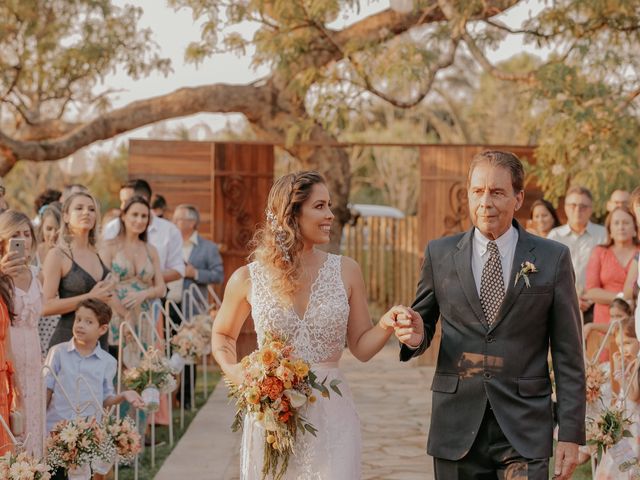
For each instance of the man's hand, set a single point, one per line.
(189, 271)
(566, 460)
(410, 328)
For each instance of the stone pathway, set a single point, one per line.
(394, 404)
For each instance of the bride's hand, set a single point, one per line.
(235, 373)
(409, 328)
(388, 320)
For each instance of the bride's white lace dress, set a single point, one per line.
(334, 453)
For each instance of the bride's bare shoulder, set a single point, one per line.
(350, 268)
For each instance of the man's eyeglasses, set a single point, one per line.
(579, 206)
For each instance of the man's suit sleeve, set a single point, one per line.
(213, 272)
(426, 305)
(565, 331)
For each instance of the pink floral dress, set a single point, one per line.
(25, 344)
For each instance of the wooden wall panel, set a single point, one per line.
(229, 184)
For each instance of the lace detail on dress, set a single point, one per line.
(321, 333)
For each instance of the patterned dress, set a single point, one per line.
(317, 337)
(131, 281)
(25, 344)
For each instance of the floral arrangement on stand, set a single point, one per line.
(596, 377)
(125, 437)
(188, 343)
(75, 444)
(23, 466)
(606, 430)
(275, 388)
(154, 375)
(203, 323)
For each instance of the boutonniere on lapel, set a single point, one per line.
(525, 269)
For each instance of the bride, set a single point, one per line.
(318, 302)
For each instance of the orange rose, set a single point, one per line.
(267, 357)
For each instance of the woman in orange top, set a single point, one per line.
(8, 395)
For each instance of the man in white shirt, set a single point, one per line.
(581, 236)
(161, 233)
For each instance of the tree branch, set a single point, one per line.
(223, 98)
(484, 62)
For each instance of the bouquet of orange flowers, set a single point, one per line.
(275, 388)
(595, 379)
(76, 443)
(125, 437)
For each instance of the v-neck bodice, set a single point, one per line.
(320, 334)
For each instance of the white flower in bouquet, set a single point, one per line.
(296, 398)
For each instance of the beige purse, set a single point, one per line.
(16, 423)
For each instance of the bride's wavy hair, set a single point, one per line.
(277, 245)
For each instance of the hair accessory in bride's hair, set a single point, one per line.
(279, 234)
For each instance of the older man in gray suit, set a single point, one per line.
(203, 266)
(504, 298)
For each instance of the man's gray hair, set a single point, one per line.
(194, 214)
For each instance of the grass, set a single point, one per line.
(145, 471)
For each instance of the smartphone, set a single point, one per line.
(17, 245)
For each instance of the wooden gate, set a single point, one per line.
(228, 182)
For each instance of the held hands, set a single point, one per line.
(407, 325)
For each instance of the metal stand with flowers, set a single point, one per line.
(150, 378)
(607, 425)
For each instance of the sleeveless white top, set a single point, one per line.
(321, 332)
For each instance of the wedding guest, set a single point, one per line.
(25, 343)
(161, 233)
(83, 357)
(543, 217)
(632, 284)
(72, 188)
(203, 266)
(136, 270)
(581, 236)
(619, 198)
(610, 263)
(47, 232)
(608, 468)
(45, 198)
(9, 395)
(73, 271)
(159, 205)
(3, 201)
(47, 238)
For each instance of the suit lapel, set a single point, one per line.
(523, 253)
(463, 262)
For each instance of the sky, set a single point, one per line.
(174, 30)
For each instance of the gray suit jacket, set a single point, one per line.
(505, 364)
(205, 257)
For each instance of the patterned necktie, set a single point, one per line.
(492, 284)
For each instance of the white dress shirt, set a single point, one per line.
(176, 287)
(163, 235)
(479, 254)
(580, 247)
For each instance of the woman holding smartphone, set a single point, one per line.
(17, 246)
